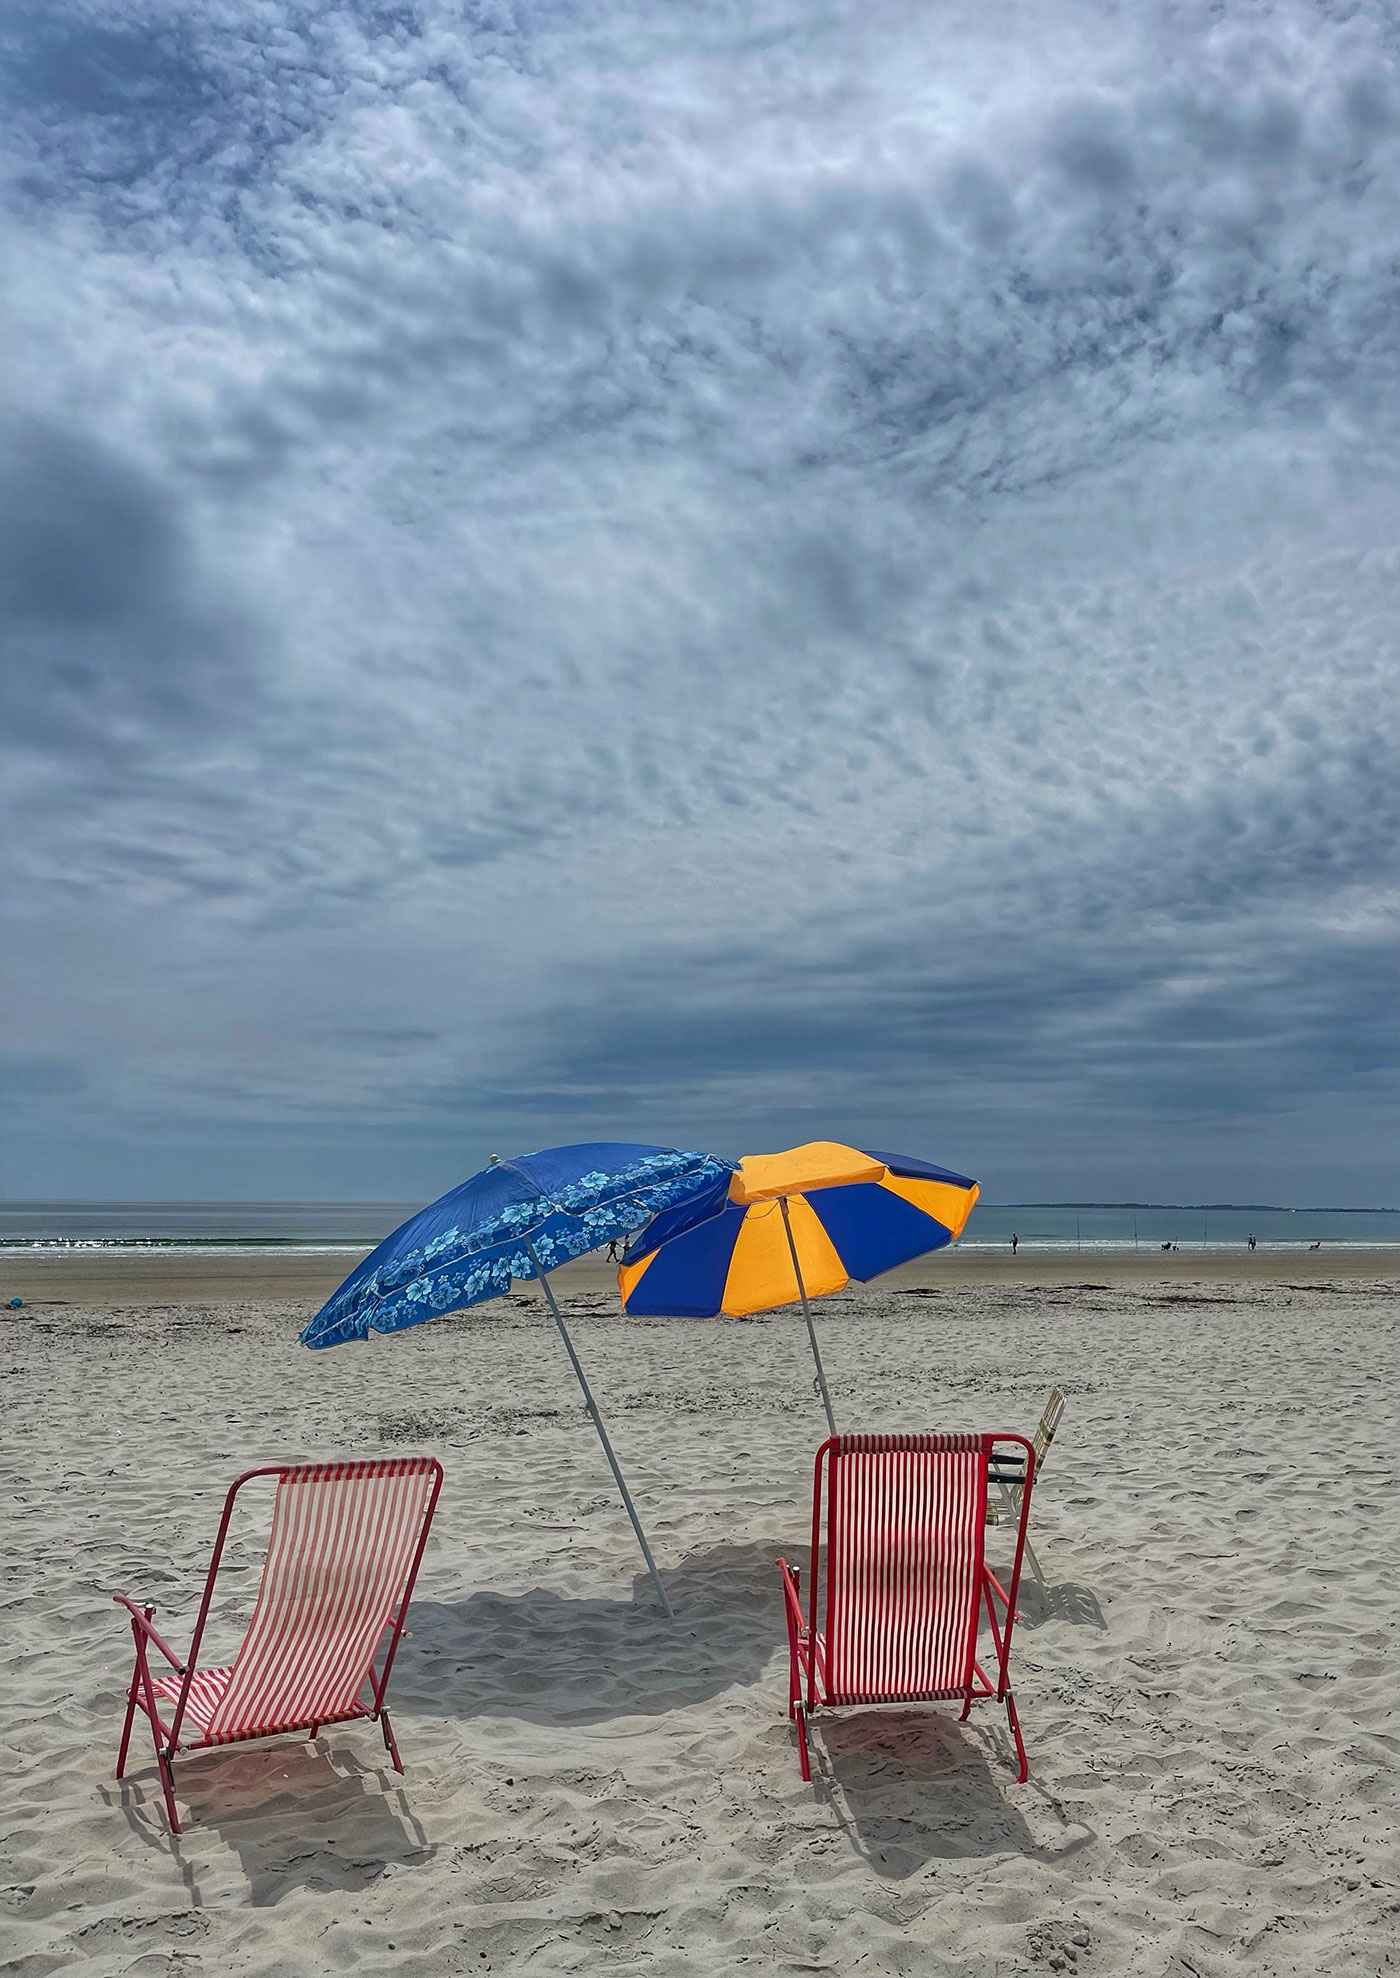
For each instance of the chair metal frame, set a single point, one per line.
(142, 1692)
(809, 1684)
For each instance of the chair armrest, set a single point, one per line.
(999, 1590)
(143, 1621)
(797, 1627)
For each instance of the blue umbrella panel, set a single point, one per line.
(517, 1219)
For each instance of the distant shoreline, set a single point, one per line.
(81, 1204)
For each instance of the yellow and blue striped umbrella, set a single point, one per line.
(796, 1225)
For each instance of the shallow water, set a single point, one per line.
(350, 1228)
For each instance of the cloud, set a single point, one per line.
(679, 563)
(105, 642)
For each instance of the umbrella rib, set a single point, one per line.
(558, 1209)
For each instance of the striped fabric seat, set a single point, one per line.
(905, 1532)
(343, 1536)
(206, 1687)
(872, 1696)
(899, 1577)
(343, 1554)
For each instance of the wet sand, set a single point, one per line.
(147, 1277)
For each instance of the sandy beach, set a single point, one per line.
(1206, 1682)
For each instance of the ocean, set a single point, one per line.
(351, 1228)
(1117, 1227)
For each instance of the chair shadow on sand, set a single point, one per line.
(909, 1787)
(1073, 1606)
(914, 1786)
(323, 1817)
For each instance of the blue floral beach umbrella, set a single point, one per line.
(522, 1218)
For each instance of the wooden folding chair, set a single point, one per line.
(900, 1579)
(343, 1554)
(1009, 1482)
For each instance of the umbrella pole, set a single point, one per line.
(592, 1405)
(807, 1315)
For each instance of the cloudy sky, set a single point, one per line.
(717, 573)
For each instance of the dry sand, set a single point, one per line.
(1207, 1684)
(125, 1278)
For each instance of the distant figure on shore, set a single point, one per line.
(1166, 1246)
(1015, 1239)
(1317, 1245)
(612, 1251)
(1252, 1243)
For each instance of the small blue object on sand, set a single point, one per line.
(17, 1304)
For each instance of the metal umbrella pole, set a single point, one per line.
(592, 1406)
(807, 1315)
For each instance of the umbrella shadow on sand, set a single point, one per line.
(553, 1659)
(908, 1787)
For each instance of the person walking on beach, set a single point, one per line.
(612, 1251)
(1251, 1240)
(1014, 1241)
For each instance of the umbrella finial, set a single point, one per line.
(494, 1162)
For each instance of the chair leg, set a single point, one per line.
(126, 1727)
(139, 1672)
(389, 1744)
(167, 1770)
(1015, 1724)
(792, 1605)
(167, 1780)
(801, 1715)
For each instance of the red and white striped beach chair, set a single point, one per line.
(346, 1542)
(902, 1580)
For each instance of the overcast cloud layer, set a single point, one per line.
(724, 574)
